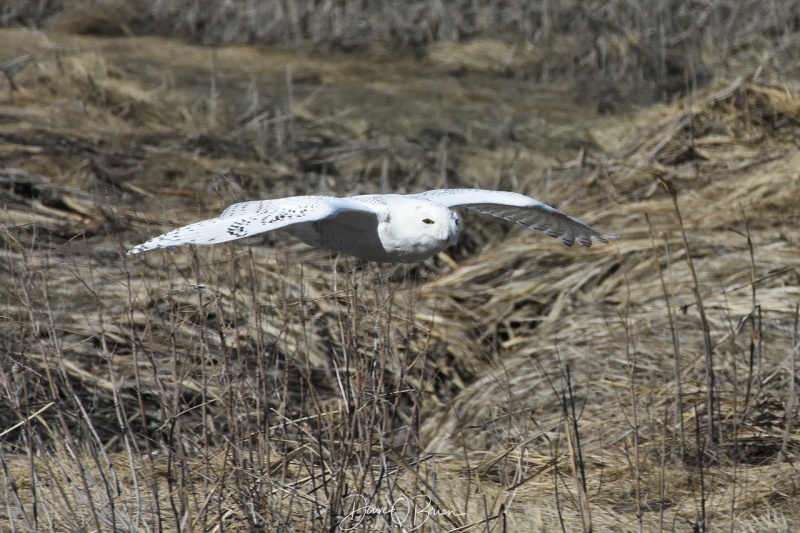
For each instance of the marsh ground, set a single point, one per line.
(510, 383)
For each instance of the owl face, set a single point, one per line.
(419, 229)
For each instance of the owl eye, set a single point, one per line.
(427, 221)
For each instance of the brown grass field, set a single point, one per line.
(508, 384)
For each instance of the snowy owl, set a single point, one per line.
(392, 228)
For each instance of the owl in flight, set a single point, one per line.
(385, 228)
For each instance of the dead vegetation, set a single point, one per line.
(647, 385)
(626, 51)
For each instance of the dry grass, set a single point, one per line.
(627, 51)
(645, 385)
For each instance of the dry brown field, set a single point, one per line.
(507, 384)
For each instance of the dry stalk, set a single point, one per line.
(675, 334)
(707, 343)
(755, 324)
(213, 95)
(635, 462)
(701, 525)
(792, 386)
(576, 454)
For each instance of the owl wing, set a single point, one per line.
(521, 209)
(250, 218)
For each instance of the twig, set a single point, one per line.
(790, 402)
(576, 455)
(676, 340)
(707, 344)
(27, 418)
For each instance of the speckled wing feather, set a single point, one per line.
(250, 218)
(521, 209)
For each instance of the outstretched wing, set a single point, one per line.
(521, 209)
(250, 218)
